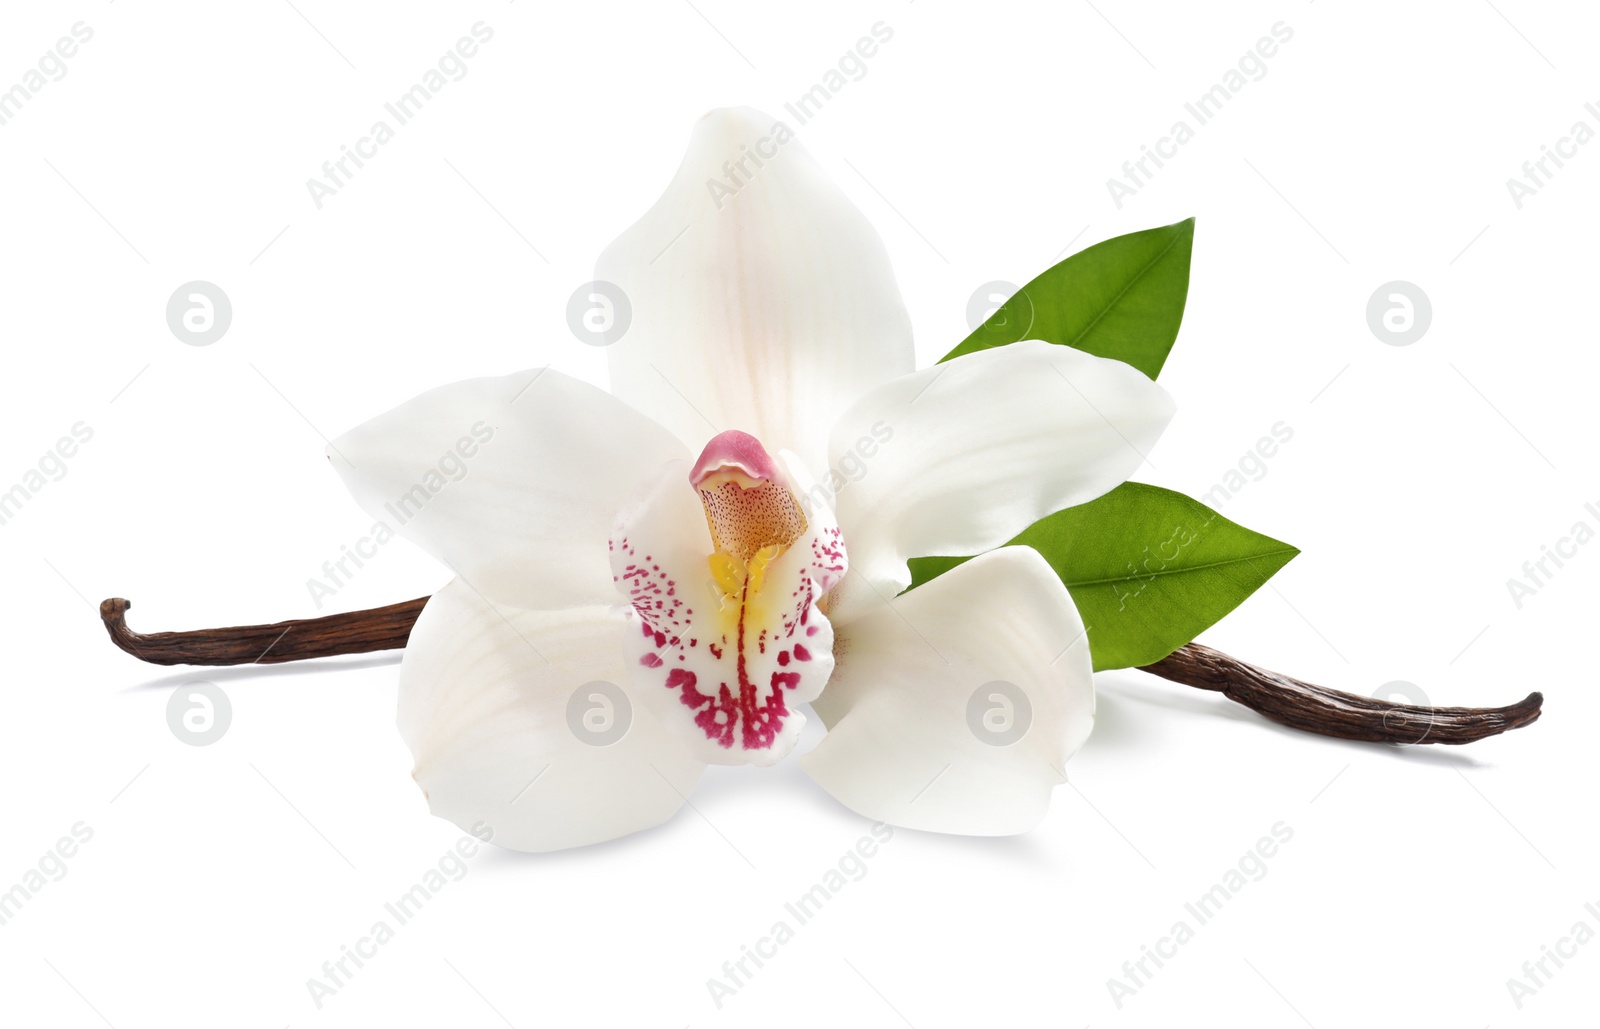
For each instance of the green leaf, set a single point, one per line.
(1150, 569)
(1122, 299)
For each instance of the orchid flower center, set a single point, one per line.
(742, 648)
(750, 509)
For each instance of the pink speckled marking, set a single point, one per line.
(740, 684)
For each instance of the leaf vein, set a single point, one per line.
(1124, 290)
(1291, 551)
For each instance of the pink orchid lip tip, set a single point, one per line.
(735, 449)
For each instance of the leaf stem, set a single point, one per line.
(1289, 701)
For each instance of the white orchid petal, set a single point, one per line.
(726, 662)
(967, 454)
(513, 481)
(930, 692)
(487, 708)
(769, 309)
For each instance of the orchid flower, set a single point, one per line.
(659, 578)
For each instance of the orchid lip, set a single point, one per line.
(731, 638)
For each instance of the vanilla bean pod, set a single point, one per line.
(1327, 712)
(353, 632)
(1281, 698)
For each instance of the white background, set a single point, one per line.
(1418, 480)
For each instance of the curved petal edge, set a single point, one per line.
(954, 707)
